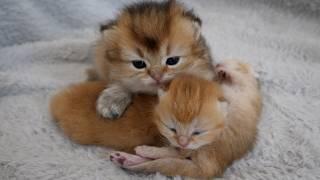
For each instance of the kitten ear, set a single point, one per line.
(107, 26)
(222, 103)
(253, 72)
(196, 22)
(197, 29)
(250, 70)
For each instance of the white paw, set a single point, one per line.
(112, 102)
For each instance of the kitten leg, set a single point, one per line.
(123, 159)
(169, 167)
(113, 101)
(156, 152)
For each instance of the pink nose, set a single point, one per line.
(156, 76)
(183, 141)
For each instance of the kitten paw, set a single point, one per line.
(125, 160)
(112, 102)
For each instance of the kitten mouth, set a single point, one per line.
(156, 84)
(182, 148)
(159, 83)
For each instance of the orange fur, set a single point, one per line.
(74, 110)
(224, 139)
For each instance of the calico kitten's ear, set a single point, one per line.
(196, 22)
(107, 26)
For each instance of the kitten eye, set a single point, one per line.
(195, 133)
(172, 60)
(139, 64)
(173, 130)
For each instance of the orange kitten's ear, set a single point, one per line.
(222, 103)
(252, 71)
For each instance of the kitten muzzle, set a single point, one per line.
(183, 141)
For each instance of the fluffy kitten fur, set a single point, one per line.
(190, 117)
(207, 155)
(151, 34)
(75, 112)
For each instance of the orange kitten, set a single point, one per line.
(207, 134)
(146, 45)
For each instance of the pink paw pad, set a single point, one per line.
(117, 158)
(123, 159)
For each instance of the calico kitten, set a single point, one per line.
(145, 46)
(192, 117)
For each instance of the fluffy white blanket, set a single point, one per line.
(45, 45)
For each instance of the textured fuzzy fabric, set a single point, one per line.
(45, 45)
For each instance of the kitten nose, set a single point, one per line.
(156, 76)
(183, 141)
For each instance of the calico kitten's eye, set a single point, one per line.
(139, 64)
(195, 133)
(173, 130)
(172, 60)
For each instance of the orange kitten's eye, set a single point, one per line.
(173, 130)
(171, 61)
(139, 64)
(195, 133)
